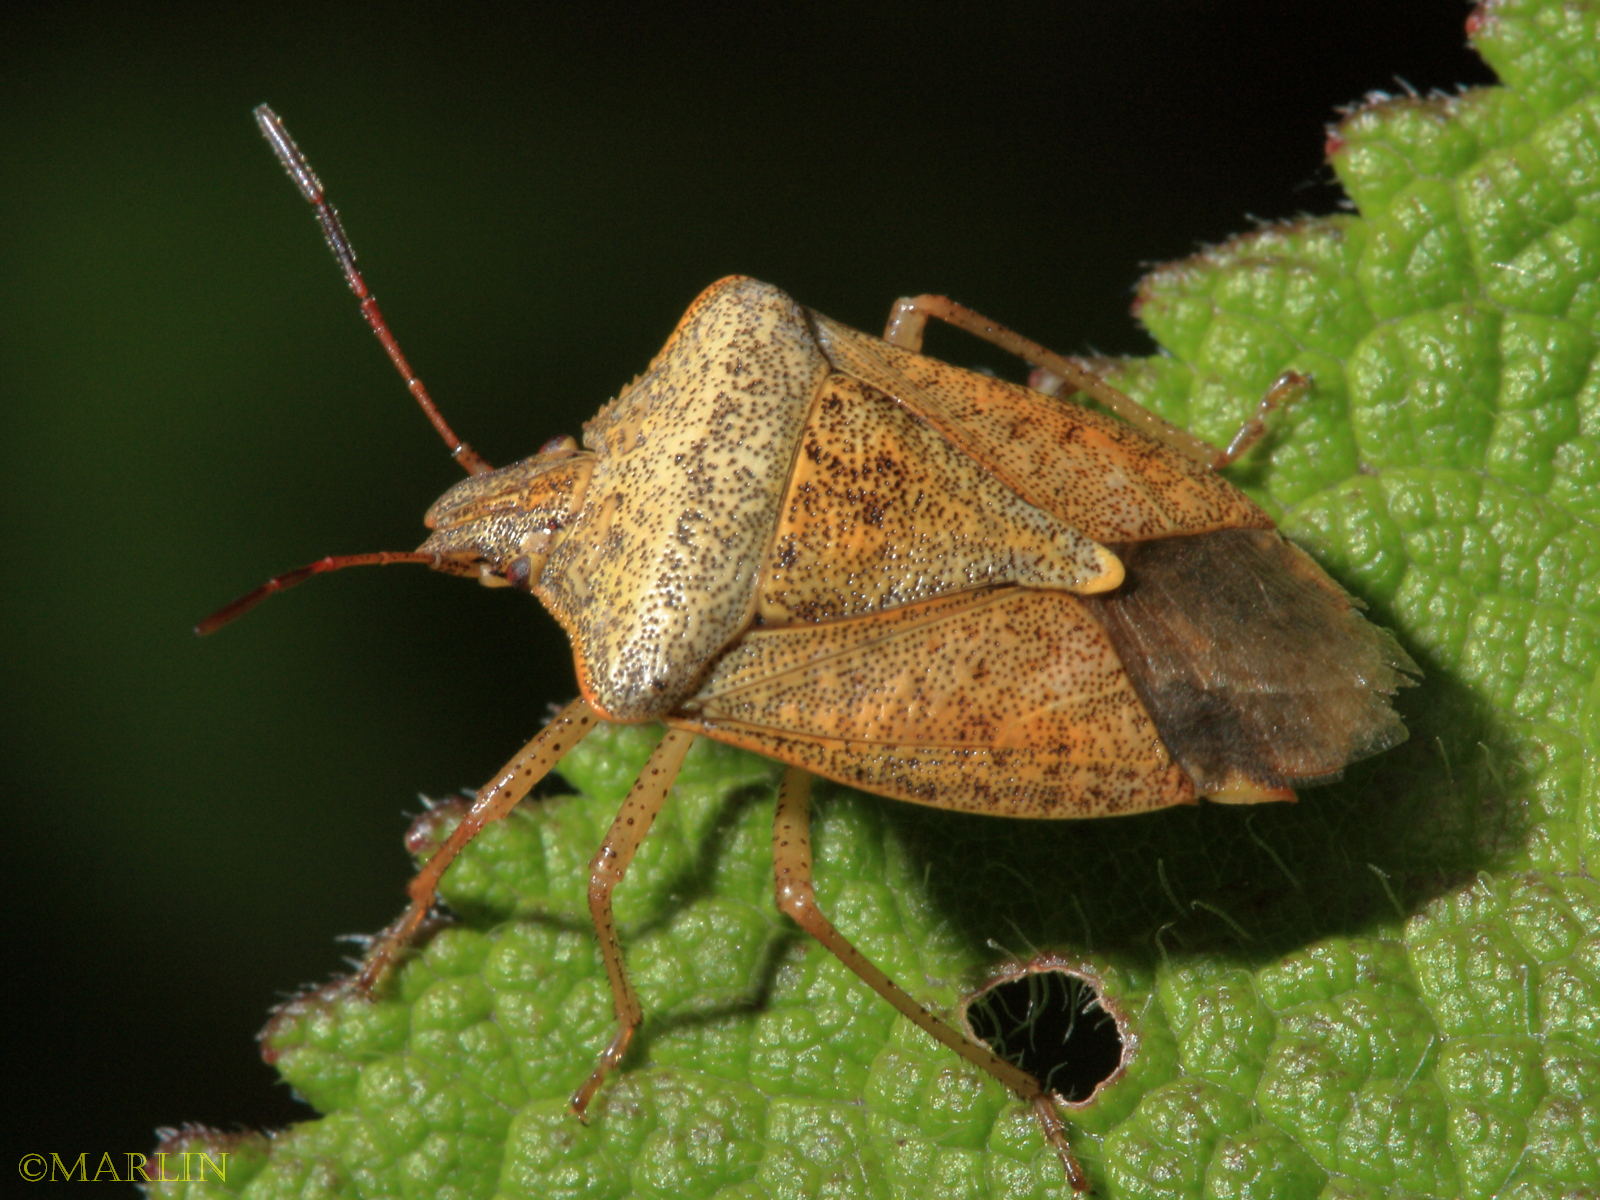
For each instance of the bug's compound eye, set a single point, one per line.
(1055, 1022)
(519, 571)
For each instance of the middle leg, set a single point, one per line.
(791, 859)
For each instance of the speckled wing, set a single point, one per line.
(883, 510)
(1096, 472)
(1005, 701)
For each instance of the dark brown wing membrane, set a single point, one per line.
(1258, 669)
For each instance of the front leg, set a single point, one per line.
(493, 801)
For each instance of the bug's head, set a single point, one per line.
(497, 527)
(501, 526)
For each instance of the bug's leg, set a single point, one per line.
(791, 864)
(909, 318)
(1285, 390)
(493, 801)
(606, 870)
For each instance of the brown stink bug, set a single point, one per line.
(904, 576)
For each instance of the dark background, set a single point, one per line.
(191, 403)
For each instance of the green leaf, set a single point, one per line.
(1390, 988)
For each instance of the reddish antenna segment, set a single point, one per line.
(299, 170)
(294, 162)
(280, 583)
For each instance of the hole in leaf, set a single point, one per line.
(1053, 1022)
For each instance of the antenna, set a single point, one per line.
(282, 583)
(294, 162)
(299, 170)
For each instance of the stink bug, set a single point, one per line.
(904, 576)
